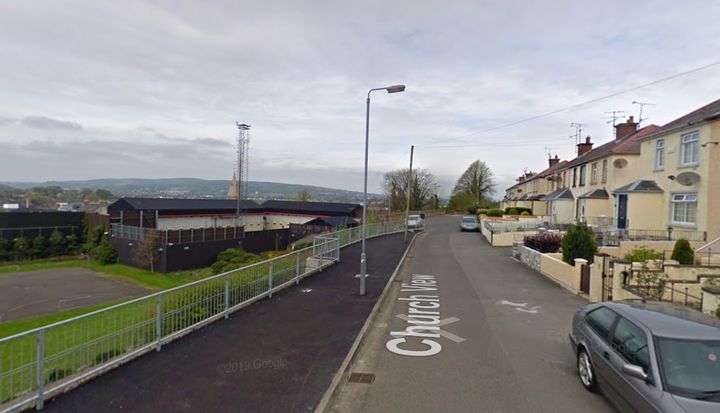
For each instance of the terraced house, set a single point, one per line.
(531, 189)
(677, 187)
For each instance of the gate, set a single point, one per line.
(585, 279)
(326, 249)
(607, 279)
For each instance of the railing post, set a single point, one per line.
(227, 296)
(158, 322)
(337, 251)
(270, 279)
(297, 268)
(686, 295)
(39, 403)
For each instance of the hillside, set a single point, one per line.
(198, 188)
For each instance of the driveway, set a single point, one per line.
(502, 345)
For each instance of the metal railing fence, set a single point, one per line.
(45, 361)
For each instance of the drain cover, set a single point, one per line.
(366, 378)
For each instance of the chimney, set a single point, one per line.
(553, 161)
(585, 147)
(625, 129)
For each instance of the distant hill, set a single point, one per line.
(197, 188)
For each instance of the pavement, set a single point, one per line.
(502, 345)
(278, 355)
(34, 293)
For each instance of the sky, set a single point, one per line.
(152, 89)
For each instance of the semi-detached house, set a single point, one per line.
(677, 186)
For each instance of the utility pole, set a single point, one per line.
(408, 193)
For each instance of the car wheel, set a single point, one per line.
(586, 371)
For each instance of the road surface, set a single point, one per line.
(503, 343)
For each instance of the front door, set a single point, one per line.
(622, 211)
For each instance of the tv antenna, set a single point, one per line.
(614, 116)
(578, 133)
(642, 105)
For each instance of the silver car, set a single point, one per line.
(649, 356)
(416, 223)
(469, 223)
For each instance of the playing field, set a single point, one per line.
(33, 293)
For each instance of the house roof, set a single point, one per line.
(709, 112)
(627, 145)
(600, 193)
(176, 204)
(322, 208)
(337, 221)
(640, 186)
(562, 193)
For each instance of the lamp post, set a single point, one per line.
(363, 256)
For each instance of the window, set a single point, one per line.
(689, 148)
(659, 154)
(600, 320)
(574, 177)
(582, 175)
(684, 208)
(593, 173)
(604, 170)
(631, 342)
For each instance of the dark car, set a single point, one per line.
(649, 356)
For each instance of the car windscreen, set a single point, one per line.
(469, 220)
(690, 367)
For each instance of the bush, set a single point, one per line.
(545, 243)
(495, 212)
(643, 254)
(56, 243)
(39, 247)
(524, 214)
(231, 259)
(579, 242)
(482, 211)
(21, 249)
(4, 249)
(517, 210)
(104, 253)
(72, 244)
(512, 211)
(683, 252)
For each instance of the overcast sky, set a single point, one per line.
(119, 89)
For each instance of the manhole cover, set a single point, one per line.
(366, 378)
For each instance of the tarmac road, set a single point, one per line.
(503, 347)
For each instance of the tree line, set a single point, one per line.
(96, 244)
(472, 190)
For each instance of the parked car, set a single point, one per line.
(469, 223)
(649, 356)
(416, 223)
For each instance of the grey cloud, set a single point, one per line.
(44, 122)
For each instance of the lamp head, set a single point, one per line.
(395, 88)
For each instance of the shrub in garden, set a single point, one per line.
(579, 242)
(643, 254)
(683, 252)
(233, 258)
(104, 253)
(482, 211)
(545, 243)
(524, 214)
(495, 212)
(512, 211)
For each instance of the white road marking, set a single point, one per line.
(444, 321)
(522, 307)
(510, 303)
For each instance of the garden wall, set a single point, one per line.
(551, 266)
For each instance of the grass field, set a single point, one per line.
(144, 278)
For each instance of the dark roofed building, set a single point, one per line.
(313, 208)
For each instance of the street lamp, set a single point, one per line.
(363, 257)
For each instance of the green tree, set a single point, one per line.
(39, 247)
(21, 249)
(146, 252)
(57, 243)
(104, 194)
(395, 184)
(461, 201)
(477, 180)
(683, 252)
(104, 253)
(73, 244)
(303, 195)
(5, 249)
(579, 242)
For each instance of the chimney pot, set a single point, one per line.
(584, 147)
(628, 128)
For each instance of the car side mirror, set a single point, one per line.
(635, 371)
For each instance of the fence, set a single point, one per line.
(48, 360)
(614, 237)
(177, 236)
(31, 232)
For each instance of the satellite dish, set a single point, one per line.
(687, 178)
(620, 163)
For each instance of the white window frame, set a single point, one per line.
(660, 154)
(685, 199)
(593, 173)
(604, 170)
(690, 140)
